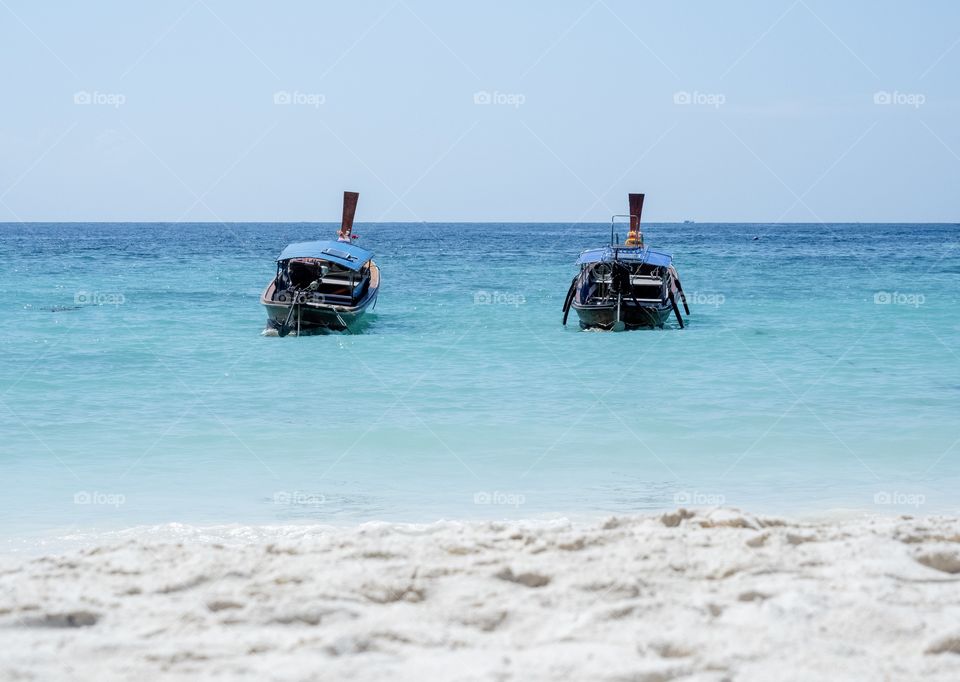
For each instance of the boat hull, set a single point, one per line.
(314, 315)
(631, 315)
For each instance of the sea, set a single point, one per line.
(819, 372)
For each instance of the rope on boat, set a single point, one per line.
(569, 299)
(683, 296)
(294, 306)
(676, 309)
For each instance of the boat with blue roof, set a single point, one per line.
(323, 284)
(628, 285)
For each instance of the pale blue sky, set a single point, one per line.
(587, 104)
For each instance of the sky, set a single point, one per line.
(211, 110)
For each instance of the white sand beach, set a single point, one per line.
(710, 595)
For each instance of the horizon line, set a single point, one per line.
(467, 222)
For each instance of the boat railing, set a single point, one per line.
(613, 225)
(647, 280)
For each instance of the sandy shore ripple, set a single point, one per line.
(716, 595)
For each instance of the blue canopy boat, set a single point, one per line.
(327, 284)
(625, 286)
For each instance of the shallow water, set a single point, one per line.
(820, 369)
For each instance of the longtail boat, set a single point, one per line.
(628, 285)
(322, 284)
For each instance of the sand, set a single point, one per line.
(709, 595)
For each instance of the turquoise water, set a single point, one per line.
(820, 369)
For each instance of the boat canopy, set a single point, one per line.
(608, 254)
(342, 253)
